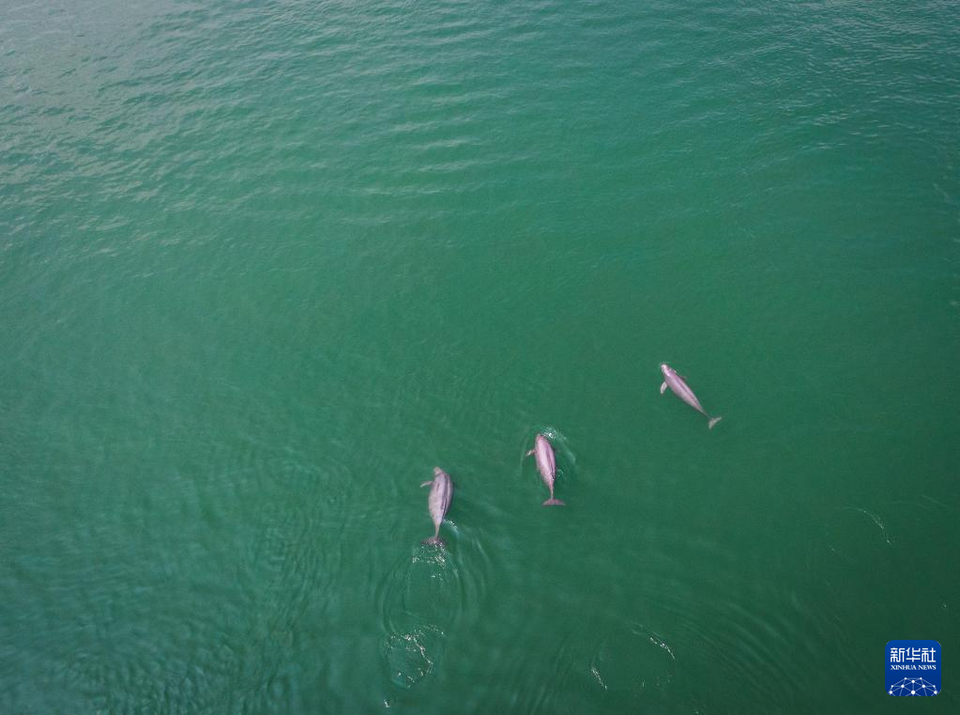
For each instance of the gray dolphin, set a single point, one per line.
(680, 388)
(547, 466)
(441, 494)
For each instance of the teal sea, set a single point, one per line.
(263, 265)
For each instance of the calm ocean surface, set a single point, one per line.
(263, 265)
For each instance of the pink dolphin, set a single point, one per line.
(680, 388)
(547, 466)
(441, 494)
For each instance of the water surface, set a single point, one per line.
(264, 265)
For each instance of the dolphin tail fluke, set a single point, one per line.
(433, 541)
(554, 502)
(713, 421)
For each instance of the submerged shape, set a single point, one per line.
(680, 388)
(547, 466)
(441, 494)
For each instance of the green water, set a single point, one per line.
(263, 265)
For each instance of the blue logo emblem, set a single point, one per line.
(913, 668)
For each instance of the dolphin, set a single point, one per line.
(547, 466)
(441, 494)
(680, 388)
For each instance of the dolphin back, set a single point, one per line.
(441, 494)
